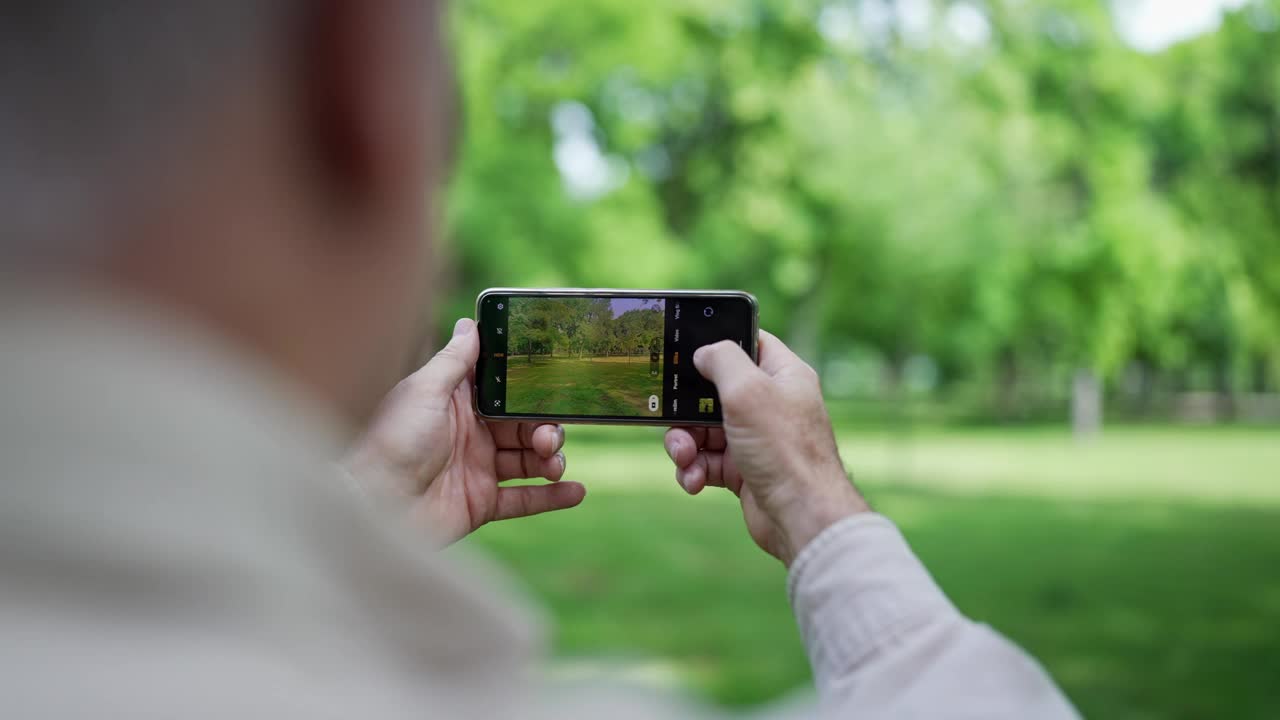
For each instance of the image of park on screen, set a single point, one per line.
(585, 356)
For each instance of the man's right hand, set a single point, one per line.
(776, 452)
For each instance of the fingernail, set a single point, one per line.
(564, 463)
(560, 428)
(680, 479)
(670, 445)
(462, 327)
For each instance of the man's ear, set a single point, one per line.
(366, 78)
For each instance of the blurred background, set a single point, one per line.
(1032, 247)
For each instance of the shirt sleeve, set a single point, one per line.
(884, 641)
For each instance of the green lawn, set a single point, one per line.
(571, 386)
(1142, 569)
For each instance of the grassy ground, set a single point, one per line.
(1142, 569)
(571, 386)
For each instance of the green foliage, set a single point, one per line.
(1023, 205)
(582, 327)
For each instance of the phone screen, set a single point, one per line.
(608, 356)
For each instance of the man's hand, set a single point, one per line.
(776, 451)
(427, 446)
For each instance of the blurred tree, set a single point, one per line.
(1001, 186)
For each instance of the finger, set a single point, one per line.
(520, 464)
(713, 440)
(709, 438)
(681, 446)
(724, 363)
(451, 365)
(709, 469)
(546, 439)
(706, 469)
(512, 435)
(526, 500)
(730, 478)
(774, 354)
(693, 477)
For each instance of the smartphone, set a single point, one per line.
(605, 356)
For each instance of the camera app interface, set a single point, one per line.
(604, 356)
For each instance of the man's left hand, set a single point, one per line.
(428, 446)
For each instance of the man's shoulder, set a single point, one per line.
(163, 501)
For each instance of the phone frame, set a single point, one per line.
(614, 292)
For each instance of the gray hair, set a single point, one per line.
(89, 88)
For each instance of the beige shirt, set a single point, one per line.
(174, 542)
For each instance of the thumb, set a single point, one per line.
(724, 363)
(449, 366)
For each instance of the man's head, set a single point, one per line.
(268, 167)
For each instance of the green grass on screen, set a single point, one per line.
(582, 386)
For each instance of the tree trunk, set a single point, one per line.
(1261, 382)
(1007, 387)
(804, 333)
(1226, 401)
(1145, 405)
(899, 411)
(1086, 405)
